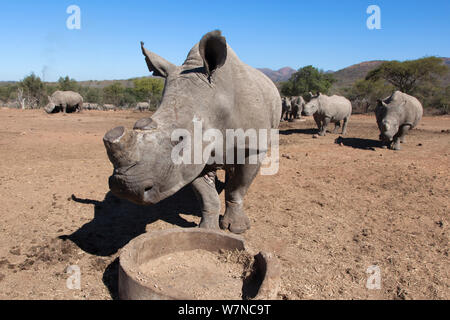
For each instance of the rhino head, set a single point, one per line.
(388, 121)
(50, 105)
(144, 171)
(312, 106)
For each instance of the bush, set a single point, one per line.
(305, 80)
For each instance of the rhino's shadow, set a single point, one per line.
(357, 143)
(117, 221)
(288, 132)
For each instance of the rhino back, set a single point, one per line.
(67, 97)
(257, 102)
(236, 96)
(336, 107)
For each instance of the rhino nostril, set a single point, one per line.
(148, 189)
(114, 135)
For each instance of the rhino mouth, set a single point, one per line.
(143, 193)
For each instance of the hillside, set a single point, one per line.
(283, 74)
(345, 77)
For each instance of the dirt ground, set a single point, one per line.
(216, 277)
(332, 211)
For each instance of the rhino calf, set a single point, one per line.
(396, 115)
(327, 109)
(286, 108)
(64, 101)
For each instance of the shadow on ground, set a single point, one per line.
(117, 221)
(298, 131)
(357, 143)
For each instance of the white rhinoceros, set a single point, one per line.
(396, 115)
(64, 101)
(327, 109)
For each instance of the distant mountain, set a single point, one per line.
(284, 74)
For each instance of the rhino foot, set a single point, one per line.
(211, 222)
(235, 220)
(396, 146)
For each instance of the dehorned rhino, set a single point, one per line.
(327, 109)
(213, 88)
(396, 115)
(65, 101)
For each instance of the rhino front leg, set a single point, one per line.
(318, 122)
(400, 137)
(205, 190)
(325, 123)
(235, 218)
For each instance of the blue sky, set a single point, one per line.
(329, 35)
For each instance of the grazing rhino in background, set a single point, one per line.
(142, 106)
(297, 105)
(285, 109)
(91, 106)
(327, 109)
(64, 101)
(396, 115)
(109, 107)
(212, 87)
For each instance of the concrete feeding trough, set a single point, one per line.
(191, 264)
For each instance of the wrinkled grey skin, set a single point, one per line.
(65, 101)
(327, 109)
(396, 115)
(286, 108)
(142, 106)
(297, 105)
(212, 86)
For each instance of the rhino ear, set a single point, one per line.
(213, 50)
(159, 66)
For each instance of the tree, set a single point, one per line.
(67, 84)
(32, 92)
(149, 90)
(114, 93)
(365, 93)
(305, 80)
(8, 92)
(407, 76)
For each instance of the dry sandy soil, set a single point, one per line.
(333, 210)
